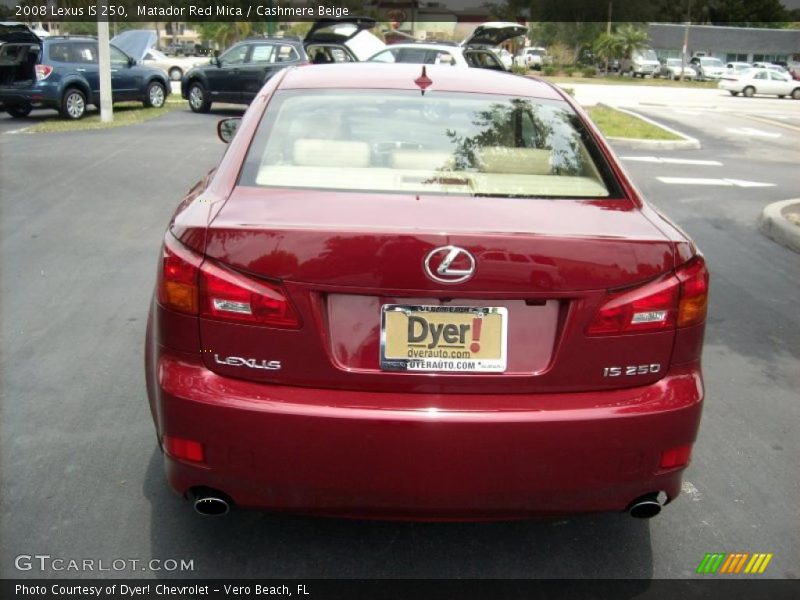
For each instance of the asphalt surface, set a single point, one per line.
(82, 218)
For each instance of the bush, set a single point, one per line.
(519, 69)
(589, 71)
(569, 71)
(549, 71)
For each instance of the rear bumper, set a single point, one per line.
(336, 452)
(37, 96)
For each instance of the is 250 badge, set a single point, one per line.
(631, 370)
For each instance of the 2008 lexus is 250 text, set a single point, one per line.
(423, 293)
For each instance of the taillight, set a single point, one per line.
(694, 292)
(227, 295)
(674, 300)
(648, 308)
(177, 277)
(42, 72)
(189, 285)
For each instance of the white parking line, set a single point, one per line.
(707, 181)
(752, 132)
(672, 161)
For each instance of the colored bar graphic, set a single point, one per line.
(721, 562)
(711, 563)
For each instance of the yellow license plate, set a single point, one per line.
(466, 339)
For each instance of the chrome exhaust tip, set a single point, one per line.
(210, 504)
(647, 507)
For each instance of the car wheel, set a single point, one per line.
(156, 95)
(749, 91)
(198, 99)
(19, 111)
(733, 93)
(796, 94)
(175, 73)
(73, 104)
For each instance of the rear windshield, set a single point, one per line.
(439, 143)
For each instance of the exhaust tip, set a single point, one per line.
(210, 503)
(648, 506)
(645, 509)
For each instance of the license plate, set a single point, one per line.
(464, 339)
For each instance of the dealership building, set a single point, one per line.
(727, 43)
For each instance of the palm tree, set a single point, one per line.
(632, 39)
(607, 47)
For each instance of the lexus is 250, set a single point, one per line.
(416, 292)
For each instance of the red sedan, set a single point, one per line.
(424, 295)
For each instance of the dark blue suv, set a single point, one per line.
(63, 73)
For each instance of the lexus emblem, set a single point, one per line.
(449, 264)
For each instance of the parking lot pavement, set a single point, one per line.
(82, 218)
(684, 98)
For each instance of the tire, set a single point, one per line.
(198, 98)
(73, 104)
(733, 93)
(19, 111)
(175, 73)
(796, 93)
(749, 91)
(155, 95)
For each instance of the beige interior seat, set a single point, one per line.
(520, 161)
(330, 153)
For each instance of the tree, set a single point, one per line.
(631, 39)
(606, 47)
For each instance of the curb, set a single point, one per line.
(685, 143)
(774, 224)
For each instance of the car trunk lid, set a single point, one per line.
(342, 257)
(494, 33)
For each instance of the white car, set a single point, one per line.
(175, 66)
(708, 67)
(736, 67)
(533, 57)
(672, 67)
(506, 58)
(478, 50)
(770, 66)
(761, 81)
(139, 43)
(641, 63)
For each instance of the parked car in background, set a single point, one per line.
(737, 67)
(342, 40)
(63, 73)
(236, 75)
(506, 58)
(479, 49)
(533, 57)
(770, 66)
(708, 67)
(761, 81)
(440, 54)
(140, 44)
(671, 68)
(641, 63)
(450, 305)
